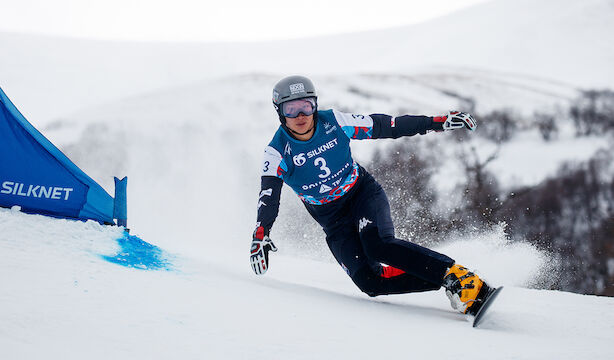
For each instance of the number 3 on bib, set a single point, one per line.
(322, 164)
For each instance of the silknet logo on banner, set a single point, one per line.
(297, 88)
(35, 191)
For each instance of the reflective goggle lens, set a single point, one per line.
(293, 108)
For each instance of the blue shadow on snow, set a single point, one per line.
(136, 253)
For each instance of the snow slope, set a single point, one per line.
(562, 40)
(61, 299)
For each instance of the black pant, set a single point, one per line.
(360, 234)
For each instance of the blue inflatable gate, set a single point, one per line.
(38, 177)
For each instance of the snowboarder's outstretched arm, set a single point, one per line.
(381, 126)
(273, 169)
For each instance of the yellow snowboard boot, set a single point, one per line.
(464, 289)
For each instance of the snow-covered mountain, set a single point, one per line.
(65, 297)
(561, 40)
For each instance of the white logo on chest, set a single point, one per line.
(325, 188)
(329, 128)
(299, 160)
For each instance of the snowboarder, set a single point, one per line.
(311, 153)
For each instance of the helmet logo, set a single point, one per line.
(297, 88)
(275, 96)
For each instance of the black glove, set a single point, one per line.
(454, 120)
(259, 253)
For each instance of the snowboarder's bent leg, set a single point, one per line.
(370, 276)
(360, 234)
(414, 259)
(372, 218)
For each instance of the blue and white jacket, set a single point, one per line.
(321, 169)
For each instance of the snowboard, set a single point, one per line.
(490, 298)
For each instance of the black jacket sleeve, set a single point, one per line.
(268, 203)
(385, 126)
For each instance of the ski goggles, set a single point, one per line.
(293, 108)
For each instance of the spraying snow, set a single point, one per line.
(501, 261)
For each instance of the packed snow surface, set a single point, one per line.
(62, 298)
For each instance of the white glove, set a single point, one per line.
(456, 120)
(259, 253)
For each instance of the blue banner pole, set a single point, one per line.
(120, 206)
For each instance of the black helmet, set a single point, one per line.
(291, 88)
